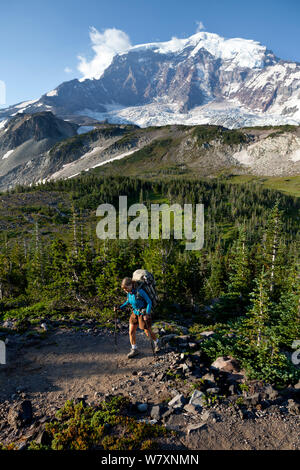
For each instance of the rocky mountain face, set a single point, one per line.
(25, 137)
(39, 147)
(204, 79)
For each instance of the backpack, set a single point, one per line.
(146, 281)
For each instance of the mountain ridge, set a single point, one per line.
(50, 149)
(204, 79)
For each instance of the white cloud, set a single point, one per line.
(200, 26)
(105, 46)
(68, 70)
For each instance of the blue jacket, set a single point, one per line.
(139, 302)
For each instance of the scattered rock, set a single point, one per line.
(20, 414)
(165, 339)
(9, 324)
(196, 427)
(177, 402)
(226, 364)
(189, 408)
(176, 421)
(197, 399)
(213, 390)
(270, 393)
(293, 407)
(156, 412)
(252, 399)
(142, 407)
(167, 413)
(44, 438)
(207, 334)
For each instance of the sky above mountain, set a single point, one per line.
(46, 43)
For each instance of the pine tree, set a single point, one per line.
(271, 245)
(258, 315)
(239, 271)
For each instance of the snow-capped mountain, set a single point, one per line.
(202, 79)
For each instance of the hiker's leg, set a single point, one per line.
(132, 333)
(149, 331)
(145, 324)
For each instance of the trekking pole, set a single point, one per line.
(115, 333)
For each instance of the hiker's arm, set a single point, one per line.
(148, 300)
(124, 304)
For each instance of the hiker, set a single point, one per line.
(141, 316)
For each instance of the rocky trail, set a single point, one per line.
(202, 403)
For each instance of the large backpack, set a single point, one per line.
(146, 281)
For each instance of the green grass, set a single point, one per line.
(286, 184)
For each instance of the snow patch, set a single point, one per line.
(7, 154)
(242, 52)
(25, 104)
(52, 93)
(118, 157)
(2, 123)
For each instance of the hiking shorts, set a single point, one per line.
(139, 320)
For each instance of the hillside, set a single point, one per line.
(39, 147)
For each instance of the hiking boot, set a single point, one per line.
(133, 353)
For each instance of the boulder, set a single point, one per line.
(196, 427)
(9, 324)
(44, 438)
(252, 400)
(177, 402)
(197, 399)
(293, 407)
(207, 334)
(270, 393)
(226, 364)
(210, 379)
(156, 412)
(192, 409)
(167, 338)
(142, 407)
(20, 414)
(213, 390)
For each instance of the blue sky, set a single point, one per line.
(40, 40)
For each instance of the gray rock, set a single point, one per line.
(252, 399)
(177, 402)
(196, 427)
(297, 386)
(293, 407)
(9, 324)
(165, 339)
(184, 367)
(197, 399)
(167, 413)
(142, 407)
(207, 334)
(192, 409)
(20, 414)
(44, 438)
(213, 390)
(156, 412)
(271, 393)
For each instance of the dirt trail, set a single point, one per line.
(70, 364)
